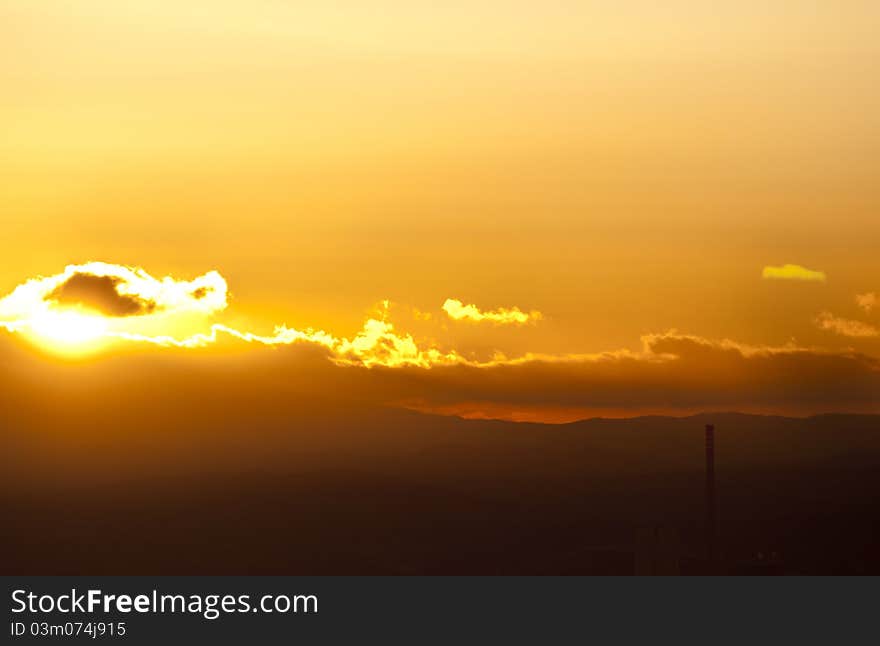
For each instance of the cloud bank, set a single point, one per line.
(669, 373)
(672, 374)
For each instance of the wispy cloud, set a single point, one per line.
(846, 327)
(458, 311)
(867, 301)
(792, 272)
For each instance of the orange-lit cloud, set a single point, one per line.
(88, 304)
(458, 311)
(115, 290)
(97, 301)
(793, 272)
(867, 301)
(846, 327)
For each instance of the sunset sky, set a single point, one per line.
(578, 188)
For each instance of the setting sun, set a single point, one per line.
(68, 331)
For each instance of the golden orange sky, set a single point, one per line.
(623, 169)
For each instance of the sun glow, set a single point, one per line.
(68, 331)
(88, 307)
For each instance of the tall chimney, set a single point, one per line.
(710, 495)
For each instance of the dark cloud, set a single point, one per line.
(100, 293)
(676, 373)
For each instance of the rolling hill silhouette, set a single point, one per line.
(348, 489)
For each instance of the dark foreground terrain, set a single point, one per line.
(379, 491)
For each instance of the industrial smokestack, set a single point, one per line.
(710, 495)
